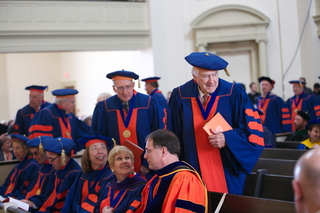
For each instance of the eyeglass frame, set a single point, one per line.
(121, 89)
(53, 158)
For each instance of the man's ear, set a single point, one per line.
(114, 89)
(194, 78)
(297, 191)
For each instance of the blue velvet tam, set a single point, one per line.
(264, 78)
(20, 138)
(36, 141)
(297, 82)
(56, 145)
(151, 79)
(206, 61)
(88, 140)
(122, 75)
(313, 121)
(36, 88)
(64, 92)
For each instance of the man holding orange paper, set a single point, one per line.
(222, 158)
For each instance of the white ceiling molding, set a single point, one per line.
(233, 23)
(316, 18)
(33, 26)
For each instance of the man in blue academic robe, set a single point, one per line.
(67, 172)
(222, 158)
(302, 101)
(25, 115)
(127, 115)
(58, 120)
(276, 116)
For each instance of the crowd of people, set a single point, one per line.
(171, 161)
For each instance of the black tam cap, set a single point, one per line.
(304, 115)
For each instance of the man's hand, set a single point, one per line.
(217, 139)
(143, 170)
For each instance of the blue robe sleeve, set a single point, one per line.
(4, 187)
(72, 199)
(19, 124)
(22, 182)
(245, 142)
(174, 119)
(42, 124)
(98, 121)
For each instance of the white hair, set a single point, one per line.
(59, 100)
(195, 71)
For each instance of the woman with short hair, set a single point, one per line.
(119, 193)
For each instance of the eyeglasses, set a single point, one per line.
(149, 150)
(51, 160)
(121, 89)
(34, 153)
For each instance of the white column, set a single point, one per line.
(263, 58)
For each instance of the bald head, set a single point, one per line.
(306, 183)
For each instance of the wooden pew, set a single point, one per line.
(240, 204)
(275, 166)
(261, 184)
(288, 154)
(281, 136)
(288, 144)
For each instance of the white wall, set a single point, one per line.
(177, 40)
(24, 69)
(89, 70)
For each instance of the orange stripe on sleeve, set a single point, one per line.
(135, 204)
(284, 122)
(284, 110)
(255, 126)
(87, 207)
(317, 107)
(93, 198)
(252, 113)
(256, 139)
(286, 116)
(41, 128)
(59, 205)
(36, 134)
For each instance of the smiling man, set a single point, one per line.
(25, 115)
(177, 187)
(58, 120)
(127, 115)
(223, 158)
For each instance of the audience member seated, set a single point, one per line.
(67, 172)
(300, 122)
(314, 135)
(96, 172)
(5, 151)
(19, 178)
(253, 95)
(37, 188)
(306, 183)
(118, 194)
(177, 187)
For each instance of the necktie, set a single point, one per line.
(204, 100)
(125, 107)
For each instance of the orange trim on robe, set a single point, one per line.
(133, 131)
(209, 157)
(293, 113)
(264, 110)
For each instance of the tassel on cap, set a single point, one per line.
(114, 142)
(63, 154)
(138, 82)
(227, 72)
(40, 146)
(300, 84)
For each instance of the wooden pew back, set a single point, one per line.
(275, 166)
(240, 204)
(288, 154)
